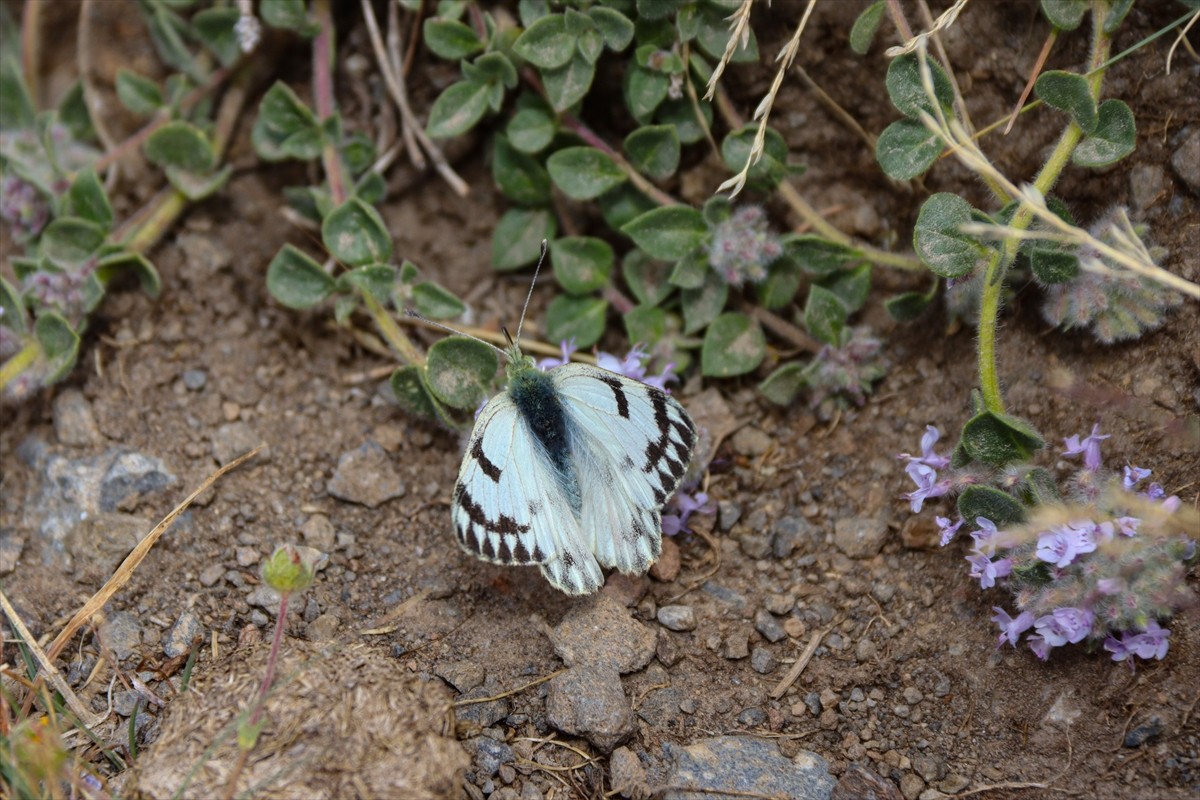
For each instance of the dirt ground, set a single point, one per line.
(907, 681)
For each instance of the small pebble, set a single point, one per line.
(677, 618)
(194, 379)
(247, 556)
(183, 635)
(737, 643)
(752, 717)
(211, 574)
(763, 661)
(768, 626)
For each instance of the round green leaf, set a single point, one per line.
(196, 187)
(296, 281)
(645, 325)
(999, 439)
(87, 199)
(733, 345)
(567, 85)
(517, 237)
(108, 267)
(434, 302)
(644, 90)
(457, 109)
(1114, 138)
(354, 234)
(285, 127)
(863, 32)
(459, 371)
(779, 289)
(519, 176)
(654, 150)
(702, 305)
(1065, 15)
(377, 280)
(782, 385)
(1068, 91)
(647, 279)
(906, 149)
(216, 28)
(713, 36)
(140, 95)
(851, 286)
(906, 91)
(583, 173)
(824, 316)
(411, 393)
(1053, 266)
(938, 240)
(546, 43)
(12, 311)
(771, 167)
(530, 130)
(622, 204)
(991, 504)
(180, 144)
(450, 39)
(59, 343)
(682, 114)
(582, 264)
(69, 241)
(578, 318)
(691, 271)
(668, 233)
(615, 27)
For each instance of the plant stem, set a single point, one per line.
(322, 68)
(23, 360)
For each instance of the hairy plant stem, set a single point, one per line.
(21, 361)
(1002, 260)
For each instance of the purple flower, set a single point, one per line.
(1011, 628)
(1150, 644)
(987, 570)
(567, 347)
(948, 531)
(1110, 586)
(1128, 526)
(1154, 491)
(1040, 647)
(1063, 625)
(928, 440)
(1057, 547)
(634, 366)
(1089, 447)
(685, 505)
(1134, 476)
(927, 484)
(985, 537)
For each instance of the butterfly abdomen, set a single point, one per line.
(540, 407)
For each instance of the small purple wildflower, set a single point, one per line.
(985, 537)
(1150, 644)
(1089, 447)
(1063, 625)
(1134, 476)
(1011, 628)
(1061, 544)
(928, 440)
(632, 366)
(987, 570)
(927, 484)
(1128, 526)
(948, 531)
(1110, 586)
(548, 363)
(1040, 647)
(685, 505)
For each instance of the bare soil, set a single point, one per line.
(927, 702)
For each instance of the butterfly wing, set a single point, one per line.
(507, 506)
(631, 444)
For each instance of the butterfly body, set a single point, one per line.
(569, 470)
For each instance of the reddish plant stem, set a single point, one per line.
(322, 69)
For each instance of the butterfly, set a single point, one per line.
(569, 470)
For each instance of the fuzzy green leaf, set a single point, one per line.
(16, 108)
(991, 504)
(411, 393)
(530, 130)
(851, 286)
(459, 371)
(285, 127)
(906, 91)
(644, 91)
(702, 305)
(782, 385)
(583, 173)
(999, 440)
(1068, 91)
(567, 85)
(938, 240)
(546, 43)
(355, 234)
(733, 345)
(74, 114)
(196, 187)
(582, 264)
(771, 167)
(110, 266)
(647, 278)
(1053, 266)
(682, 114)
(140, 95)
(451, 39)
(458, 109)
(69, 241)
(214, 27)
(517, 237)
(613, 25)
(906, 149)
(819, 256)
(908, 306)
(180, 144)
(783, 280)
(87, 199)
(12, 312)
(1114, 138)
(290, 15)
(1065, 14)
(690, 271)
(578, 318)
(520, 177)
(825, 316)
(377, 280)
(622, 204)
(668, 233)
(296, 280)
(59, 343)
(713, 34)
(434, 302)
(654, 150)
(863, 32)
(645, 325)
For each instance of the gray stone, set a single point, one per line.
(1147, 183)
(195, 379)
(666, 649)
(751, 717)
(865, 650)
(186, 632)
(928, 767)
(129, 478)
(365, 475)
(488, 754)
(264, 597)
(763, 661)
(859, 783)
(601, 630)
(746, 765)
(121, 633)
(677, 618)
(1186, 160)
(324, 628)
(766, 624)
(462, 675)
(883, 592)
(11, 547)
(755, 545)
(660, 707)
(530, 791)
(726, 595)
(235, 439)
(728, 513)
(319, 532)
(482, 715)
(787, 534)
(911, 786)
(73, 420)
(779, 604)
(626, 774)
(590, 701)
(737, 642)
(246, 556)
(860, 537)
(100, 542)
(211, 574)
(750, 441)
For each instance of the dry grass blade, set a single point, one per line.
(473, 700)
(135, 557)
(800, 664)
(739, 32)
(945, 20)
(1182, 38)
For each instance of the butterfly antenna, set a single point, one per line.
(412, 312)
(532, 284)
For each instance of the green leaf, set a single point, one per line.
(717, 209)
(733, 345)
(999, 440)
(59, 343)
(991, 504)
(180, 144)
(851, 286)
(701, 306)
(530, 130)
(1064, 14)
(906, 91)
(682, 114)
(74, 114)
(939, 240)
(1053, 266)
(355, 234)
(290, 15)
(87, 199)
(863, 32)
(782, 385)
(582, 264)
(358, 151)
(1117, 9)
(1068, 91)
(578, 318)
(459, 371)
(412, 394)
(908, 306)
(108, 267)
(12, 312)
(824, 316)
(16, 107)
(906, 149)
(645, 325)
(783, 280)
(285, 127)
(451, 39)
(713, 35)
(378, 280)
(1114, 138)
(546, 43)
(458, 109)
(69, 241)
(613, 25)
(771, 167)
(140, 95)
(434, 302)
(654, 150)
(517, 237)
(196, 187)
(647, 278)
(691, 270)
(519, 176)
(584, 173)
(644, 90)
(622, 204)
(656, 9)
(296, 281)
(590, 43)
(493, 69)
(668, 233)
(567, 85)
(167, 30)
(214, 27)
(819, 256)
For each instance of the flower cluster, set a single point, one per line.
(65, 292)
(846, 370)
(742, 246)
(23, 206)
(1102, 569)
(681, 506)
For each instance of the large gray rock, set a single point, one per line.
(366, 476)
(746, 765)
(601, 630)
(590, 701)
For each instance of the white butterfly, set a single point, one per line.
(569, 470)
